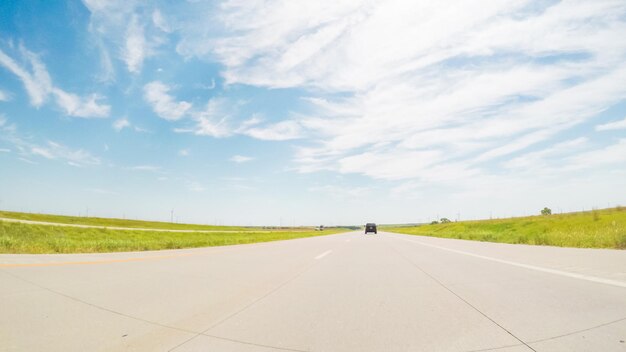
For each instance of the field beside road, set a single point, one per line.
(16, 237)
(604, 228)
(110, 222)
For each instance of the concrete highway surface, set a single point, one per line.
(346, 292)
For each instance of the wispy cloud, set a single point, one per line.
(39, 87)
(136, 47)
(149, 168)
(539, 159)
(439, 91)
(53, 150)
(37, 83)
(157, 94)
(184, 152)
(28, 161)
(27, 149)
(239, 159)
(280, 131)
(212, 121)
(4, 96)
(615, 125)
(611, 154)
(86, 107)
(160, 21)
(134, 34)
(120, 124)
(196, 187)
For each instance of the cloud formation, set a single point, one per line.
(39, 86)
(239, 159)
(136, 47)
(423, 90)
(120, 124)
(50, 150)
(157, 94)
(616, 125)
(4, 96)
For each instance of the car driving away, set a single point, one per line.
(370, 227)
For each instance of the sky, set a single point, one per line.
(330, 112)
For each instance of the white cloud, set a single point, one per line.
(86, 107)
(280, 131)
(4, 96)
(210, 86)
(615, 125)
(422, 90)
(149, 168)
(136, 47)
(37, 83)
(157, 94)
(52, 150)
(120, 124)
(5, 150)
(133, 29)
(184, 152)
(196, 187)
(107, 74)
(240, 159)
(28, 161)
(612, 154)
(538, 159)
(213, 120)
(39, 87)
(160, 22)
(49, 150)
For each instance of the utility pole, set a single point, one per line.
(172, 216)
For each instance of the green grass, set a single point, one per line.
(604, 228)
(29, 238)
(107, 222)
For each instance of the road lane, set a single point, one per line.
(346, 292)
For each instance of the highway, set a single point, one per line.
(346, 292)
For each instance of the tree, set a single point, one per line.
(435, 222)
(445, 220)
(546, 211)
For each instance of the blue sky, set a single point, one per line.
(326, 112)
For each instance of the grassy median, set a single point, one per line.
(28, 238)
(604, 228)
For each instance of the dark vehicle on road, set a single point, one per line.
(370, 227)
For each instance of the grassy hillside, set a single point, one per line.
(111, 222)
(604, 228)
(29, 238)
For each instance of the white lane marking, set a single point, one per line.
(323, 254)
(527, 266)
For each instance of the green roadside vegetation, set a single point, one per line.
(109, 222)
(604, 228)
(31, 238)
